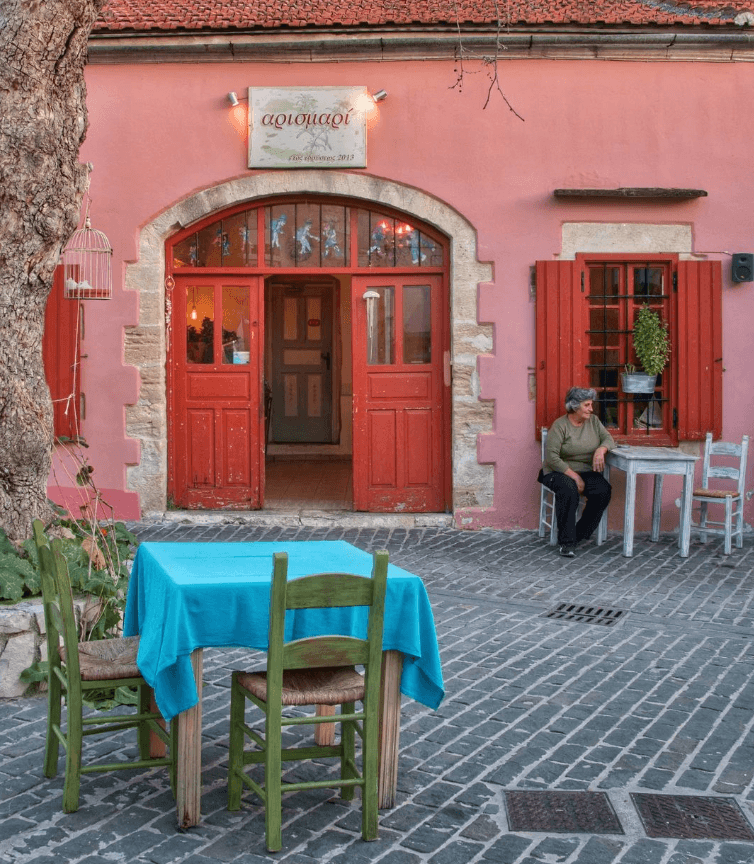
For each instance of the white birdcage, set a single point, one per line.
(87, 265)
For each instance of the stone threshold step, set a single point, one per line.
(304, 518)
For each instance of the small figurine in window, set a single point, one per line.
(303, 236)
(417, 256)
(378, 239)
(331, 240)
(277, 226)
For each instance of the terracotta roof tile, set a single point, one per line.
(182, 15)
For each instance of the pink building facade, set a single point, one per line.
(629, 157)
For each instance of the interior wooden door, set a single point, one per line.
(401, 398)
(217, 417)
(302, 361)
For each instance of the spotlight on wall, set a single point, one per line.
(233, 98)
(379, 95)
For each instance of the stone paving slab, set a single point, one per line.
(660, 702)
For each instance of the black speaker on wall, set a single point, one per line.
(742, 267)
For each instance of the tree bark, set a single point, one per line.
(43, 122)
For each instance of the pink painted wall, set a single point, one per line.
(160, 132)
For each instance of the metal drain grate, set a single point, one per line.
(692, 817)
(605, 616)
(562, 812)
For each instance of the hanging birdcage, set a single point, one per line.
(87, 264)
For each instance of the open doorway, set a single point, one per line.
(309, 373)
(308, 451)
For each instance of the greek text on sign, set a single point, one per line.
(308, 127)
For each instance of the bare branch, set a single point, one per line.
(489, 63)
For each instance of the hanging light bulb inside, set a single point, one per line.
(194, 316)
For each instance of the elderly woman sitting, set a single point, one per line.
(574, 457)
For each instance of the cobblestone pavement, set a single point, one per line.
(660, 702)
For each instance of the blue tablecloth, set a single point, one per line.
(183, 596)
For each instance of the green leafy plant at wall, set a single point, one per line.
(96, 562)
(96, 551)
(96, 556)
(651, 342)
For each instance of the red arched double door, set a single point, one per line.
(289, 308)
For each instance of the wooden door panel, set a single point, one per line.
(236, 426)
(400, 386)
(383, 445)
(418, 446)
(209, 386)
(216, 419)
(201, 448)
(401, 408)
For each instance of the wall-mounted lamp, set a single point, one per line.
(233, 98)
(379, 95)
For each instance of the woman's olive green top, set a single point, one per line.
(573, 447)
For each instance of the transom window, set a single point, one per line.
(616, 292)
(308, 234)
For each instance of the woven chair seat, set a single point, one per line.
(106, 659)
(324, 686)
(714, 493)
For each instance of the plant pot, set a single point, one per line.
(638, 382)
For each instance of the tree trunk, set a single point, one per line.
(42, 125)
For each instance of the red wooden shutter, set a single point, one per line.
(60, 354)
(700, 350)
(562, 343)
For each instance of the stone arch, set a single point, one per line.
(145, 344)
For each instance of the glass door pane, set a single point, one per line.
(200, 323)
(380, 325)
(235, 339)
(417, 336)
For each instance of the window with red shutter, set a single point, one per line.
(60, 352)
(585, 311)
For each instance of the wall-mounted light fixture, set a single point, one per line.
(379, 95)
(233, 98)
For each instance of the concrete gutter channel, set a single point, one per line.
(658, 702)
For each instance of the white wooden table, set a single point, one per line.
(658, 461)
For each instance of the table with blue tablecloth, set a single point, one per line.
(184, 597)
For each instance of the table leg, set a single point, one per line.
(324, 733)
(628, 514)
(684, 528)
(602, 527)
(657, 507)
(390, 728)
(188, 791)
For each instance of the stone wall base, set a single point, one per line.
(23, 639)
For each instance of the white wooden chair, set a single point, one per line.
(547, 509)
(547, 504)
(731, 499)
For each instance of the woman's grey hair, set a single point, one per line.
(576, 395)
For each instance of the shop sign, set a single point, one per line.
(308, 127)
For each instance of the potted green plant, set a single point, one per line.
(651, 342)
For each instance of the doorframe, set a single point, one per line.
(471, 341)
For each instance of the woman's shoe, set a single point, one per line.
(567, 552)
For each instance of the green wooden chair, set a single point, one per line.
(313, 671)
(77, 668)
